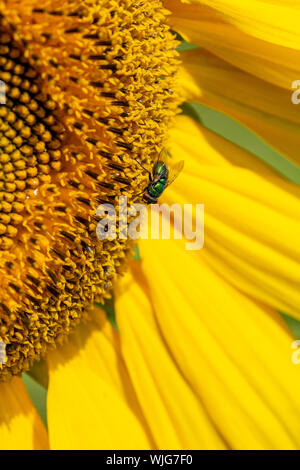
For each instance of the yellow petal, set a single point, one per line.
(233, 353)
(251, 224)
(176, 418)
(91, 403)
(205, 27)
(192, 142)
(264, 108)
(251, 215)
(21, 427)
(274, 21)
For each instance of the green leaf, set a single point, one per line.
(39, 372)
(189, 110)
(292, 323)
(186, 46)
(109, 308)
(38, 395)
(243, 137)
(136, 253)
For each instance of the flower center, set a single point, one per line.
(90, 87)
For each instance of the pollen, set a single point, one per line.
(90, 88)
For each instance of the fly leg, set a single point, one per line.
(142, 191)
(149, 173)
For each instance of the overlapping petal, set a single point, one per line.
(21, 427)
(275, 21)
(252, 221)
(91, 403)
(264, 108)
(234, 353)
(177, 419)
(197, 144)
(205, 27)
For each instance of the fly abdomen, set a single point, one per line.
(156, 189)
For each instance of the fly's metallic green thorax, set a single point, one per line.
(155, 190)
(157, 182)
(159, 179)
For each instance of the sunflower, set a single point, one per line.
(190, 351)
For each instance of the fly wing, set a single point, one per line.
(174, 172)
(174, 169)
(164, 156)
